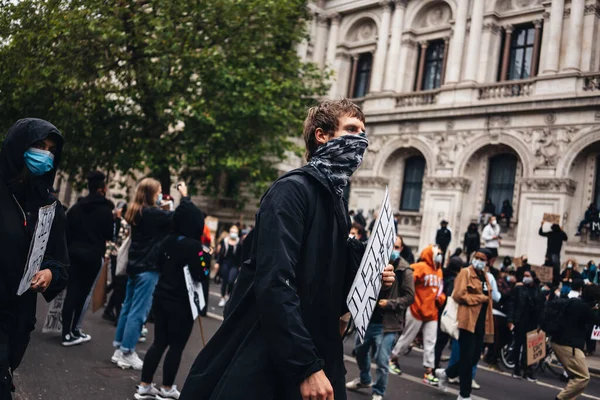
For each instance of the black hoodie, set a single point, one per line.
(21, 196)
(91, 224)
(179, 249)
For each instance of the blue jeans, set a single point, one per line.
(384, 342)
(138, 301)
(455, 356)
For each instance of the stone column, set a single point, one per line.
(406, 46)
(421, 65)
(554, 40)
(506, 54)
(393, 60)
(573, 60)
(333, 39)
(320, 41)
(458, 43)
(474, 42)
(536, 48)
(445, 64)
(381, 52)
(353, 72)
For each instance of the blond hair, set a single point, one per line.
(145, 195)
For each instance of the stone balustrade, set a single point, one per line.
(508, 89)
(423, 98)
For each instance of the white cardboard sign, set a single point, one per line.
(195, 293)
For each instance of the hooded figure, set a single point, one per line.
(24, 188)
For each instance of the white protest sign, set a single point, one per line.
(195, 293)
(365, 289)
(596, 333)
(53, 322)
(37, 249)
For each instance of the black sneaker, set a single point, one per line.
(83, 336)
(71, 340)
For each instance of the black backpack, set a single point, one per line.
(553, 318)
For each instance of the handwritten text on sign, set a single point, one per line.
(37, 249)
(536, 346)
(195, 293)
(365, 289)
(596, 333)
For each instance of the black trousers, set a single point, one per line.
(520, 352)
(440, 344)
(172, 328)
(471, 345)
(82, 274)
(229, 274)
(117, 288)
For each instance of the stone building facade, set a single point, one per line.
(467, 100)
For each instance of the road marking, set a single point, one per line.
(214, 316)
(215, 294)
(414, 379)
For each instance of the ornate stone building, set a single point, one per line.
(468, 100)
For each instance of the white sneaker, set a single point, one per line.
(463, 398)
(118, 354)
(71, 339)
(222, 302)
(84, 336)
(356, 384)
(440, 373)
(170, 394)
(454, 381)
(377, 397)
(146, 392)
(130, 360)
(475, 385)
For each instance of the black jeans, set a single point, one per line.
(172, 328)
(440, 344)
(471, 345)
(229, 274)
(520, 352)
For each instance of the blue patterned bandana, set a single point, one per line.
(339, 158)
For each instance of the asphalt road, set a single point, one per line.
(51, 372)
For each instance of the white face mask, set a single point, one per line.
(569, 265)
(494, 223)
(233, 235)
(437, 259)
(478, 264)
(527, 280)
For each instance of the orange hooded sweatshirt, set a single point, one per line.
(429, 288)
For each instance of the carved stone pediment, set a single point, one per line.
(554, 185)
(368, 182)
(447, 183)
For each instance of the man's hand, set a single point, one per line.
(388, 276)
(41, 280)
(383, 303)
(182, 189)
(316, 387)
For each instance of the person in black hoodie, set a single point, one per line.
(443, 238)
(472, 240)
(281, 335)
(30, 156)
(556, 237)
(89, 227)
(173, 320)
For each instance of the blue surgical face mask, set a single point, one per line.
(159, 199)
(38, 161)
(478, 264)
(395, 255)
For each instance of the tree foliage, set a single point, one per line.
(192, 87)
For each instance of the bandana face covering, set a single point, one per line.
(339, 158)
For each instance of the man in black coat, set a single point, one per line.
(90, 224)
(280, 338)
(443, 238)
(29, 158)
(556, 237)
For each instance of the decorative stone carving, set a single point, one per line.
(447, 147)
(376, 143)
(450, 125)
(494, 28)
(592, 9)
(498, 121)
(369, 182)
(550, 118)
(597, 116)
(437, 16)
(410, 43)
(363, 30)
(546, 16)
(567, 13)
(447, 183)
(549, 144)
(550, 185)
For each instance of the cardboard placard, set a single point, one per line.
(536, 346)
(596, 333)
(551, 218)
(517, 262)
(99, 293)
(195, 292)
(544, 274)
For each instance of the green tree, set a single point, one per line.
(198, 88)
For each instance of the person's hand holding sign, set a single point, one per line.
(41, 280)
(388, 276)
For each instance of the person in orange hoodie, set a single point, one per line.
(423, 314)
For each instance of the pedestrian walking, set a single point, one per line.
(387, 321)
(280, 338)
(472, 240)
(173, 320)
(473, 294)
(90, 224)
(29, 158)
(149, 225)
(443, 238)
(423, 314)
(228, 262)
(492, 239)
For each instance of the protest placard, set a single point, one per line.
(596, 333)
(53, 322)
(37, 248)
(551, 218)
(544, 274)
(195, 293)
(99, 290)
(365, 289)
(536, 346)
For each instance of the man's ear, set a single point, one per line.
(321, 136)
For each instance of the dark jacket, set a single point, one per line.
(180, 249)
(555, 241)
(443, 237)
(408, 255)
(21, 196)
(578, 315)
(90, 224)
(525, 308)
(283, 320)
(230, 254)
(472, 241)
(400, 296)
(147, 233)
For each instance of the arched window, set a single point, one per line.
(412, 185)
(597, 183)
(501, 179)
(362, 76)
